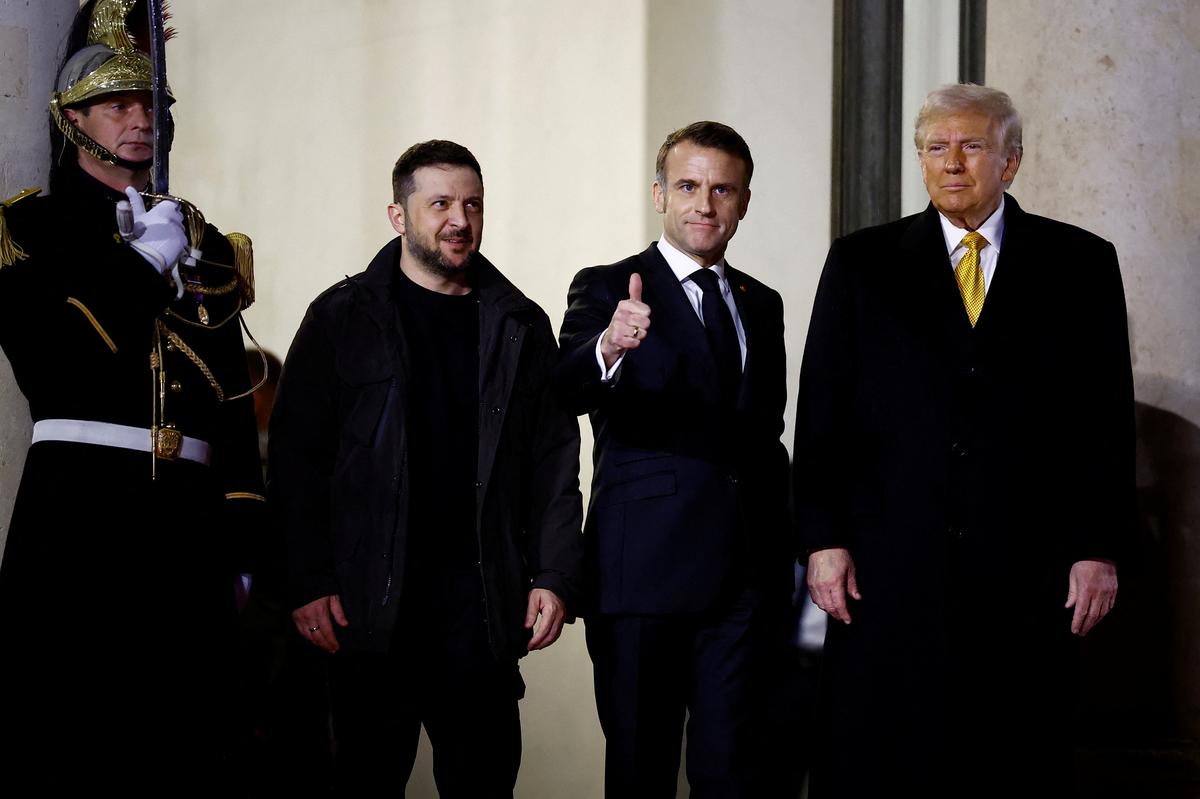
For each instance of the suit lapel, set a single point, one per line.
(746, 300)
(671, 313)
(745, 303)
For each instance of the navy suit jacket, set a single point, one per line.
(688, 498)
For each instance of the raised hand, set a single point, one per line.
(629, 326)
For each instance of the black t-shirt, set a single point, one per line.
(442, 335)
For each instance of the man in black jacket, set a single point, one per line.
(427, 483)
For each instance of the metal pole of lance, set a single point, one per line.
(158, 90)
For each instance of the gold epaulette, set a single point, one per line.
(243, 259)
(10, 251)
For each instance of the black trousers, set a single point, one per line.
(440, 673)
(652, 670)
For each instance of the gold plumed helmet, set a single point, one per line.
(111, 62)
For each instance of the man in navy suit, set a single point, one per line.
(964, 474)
(678, 359)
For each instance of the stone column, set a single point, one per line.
(1110, 95)
(31, 35)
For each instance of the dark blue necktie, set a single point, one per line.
(721, 334)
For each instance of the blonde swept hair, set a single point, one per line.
(957, 98)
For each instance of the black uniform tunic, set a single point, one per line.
(116, 589)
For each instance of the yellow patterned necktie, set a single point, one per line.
(969, 275)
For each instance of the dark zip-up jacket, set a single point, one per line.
(338, 457)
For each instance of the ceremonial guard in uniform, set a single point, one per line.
(142, 489)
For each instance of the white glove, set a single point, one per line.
(158, 233)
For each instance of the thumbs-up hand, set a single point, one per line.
(629, 326)
(635, 287)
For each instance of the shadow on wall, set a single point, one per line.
(1141, 682)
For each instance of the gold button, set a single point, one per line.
(170, 346)
(176, 386)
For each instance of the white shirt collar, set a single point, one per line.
(992, 229)
(684, 266)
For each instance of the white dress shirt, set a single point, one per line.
(992, 230)
(682, 266)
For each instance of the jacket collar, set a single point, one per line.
(79, 183)
(1014, 217)
(494, 290)
(927, 225)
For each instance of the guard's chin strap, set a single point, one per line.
(136, 166)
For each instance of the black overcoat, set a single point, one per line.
(965, 470)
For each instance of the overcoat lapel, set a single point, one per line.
(935, 302)
(1014, 251)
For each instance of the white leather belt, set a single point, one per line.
(106, 434)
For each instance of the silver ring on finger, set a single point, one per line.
(314, 629)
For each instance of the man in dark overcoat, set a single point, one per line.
(964, 474)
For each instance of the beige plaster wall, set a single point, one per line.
(30, 37)
(291, 115)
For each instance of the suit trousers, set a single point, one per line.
(440, 673)
(651, 671)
